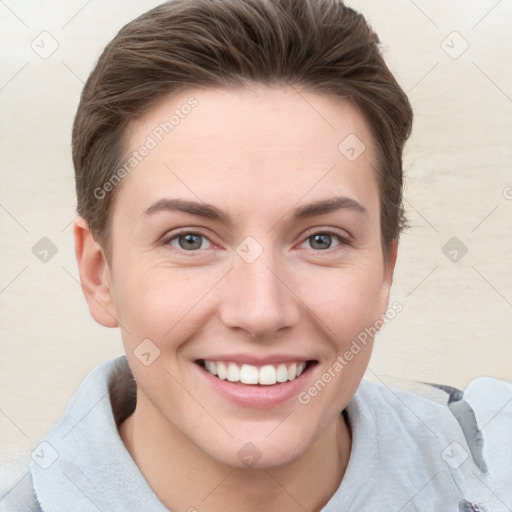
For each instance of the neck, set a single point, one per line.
(186, 478)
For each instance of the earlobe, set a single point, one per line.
(94, 275)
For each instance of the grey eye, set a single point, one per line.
(320, 241)
(190, 241)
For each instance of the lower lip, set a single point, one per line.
(256, 395)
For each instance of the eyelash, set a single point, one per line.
(343, 240)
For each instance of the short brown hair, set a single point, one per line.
(318, 45)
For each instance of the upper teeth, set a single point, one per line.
(249, 374)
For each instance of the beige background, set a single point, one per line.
(457, 318)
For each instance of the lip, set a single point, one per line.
(257, 396)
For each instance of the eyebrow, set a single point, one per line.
(208, 211)
(329, 205)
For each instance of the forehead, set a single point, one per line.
(235, 144)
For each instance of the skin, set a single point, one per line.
(257, 154)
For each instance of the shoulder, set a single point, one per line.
(464, 434)
(21, 498)
(486, 406)
(481, 411)
(111, 380)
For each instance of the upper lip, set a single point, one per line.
(256, 360)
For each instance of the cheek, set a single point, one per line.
(348, 304)
(156, 301)
(160, 303)
(348, 300)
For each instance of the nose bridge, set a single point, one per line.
(255, 297)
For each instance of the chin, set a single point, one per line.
(260, 451)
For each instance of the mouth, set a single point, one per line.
(252, 375)
(256, 386)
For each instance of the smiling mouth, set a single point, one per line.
(248, 374)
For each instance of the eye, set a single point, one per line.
(324, 240)
(189, 241)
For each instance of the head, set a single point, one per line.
(239, 181)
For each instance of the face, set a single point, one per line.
(246, 244)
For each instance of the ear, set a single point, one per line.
(95, 275)
(389, 269)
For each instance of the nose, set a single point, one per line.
(257, 298)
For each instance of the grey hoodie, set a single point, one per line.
(409, 453)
